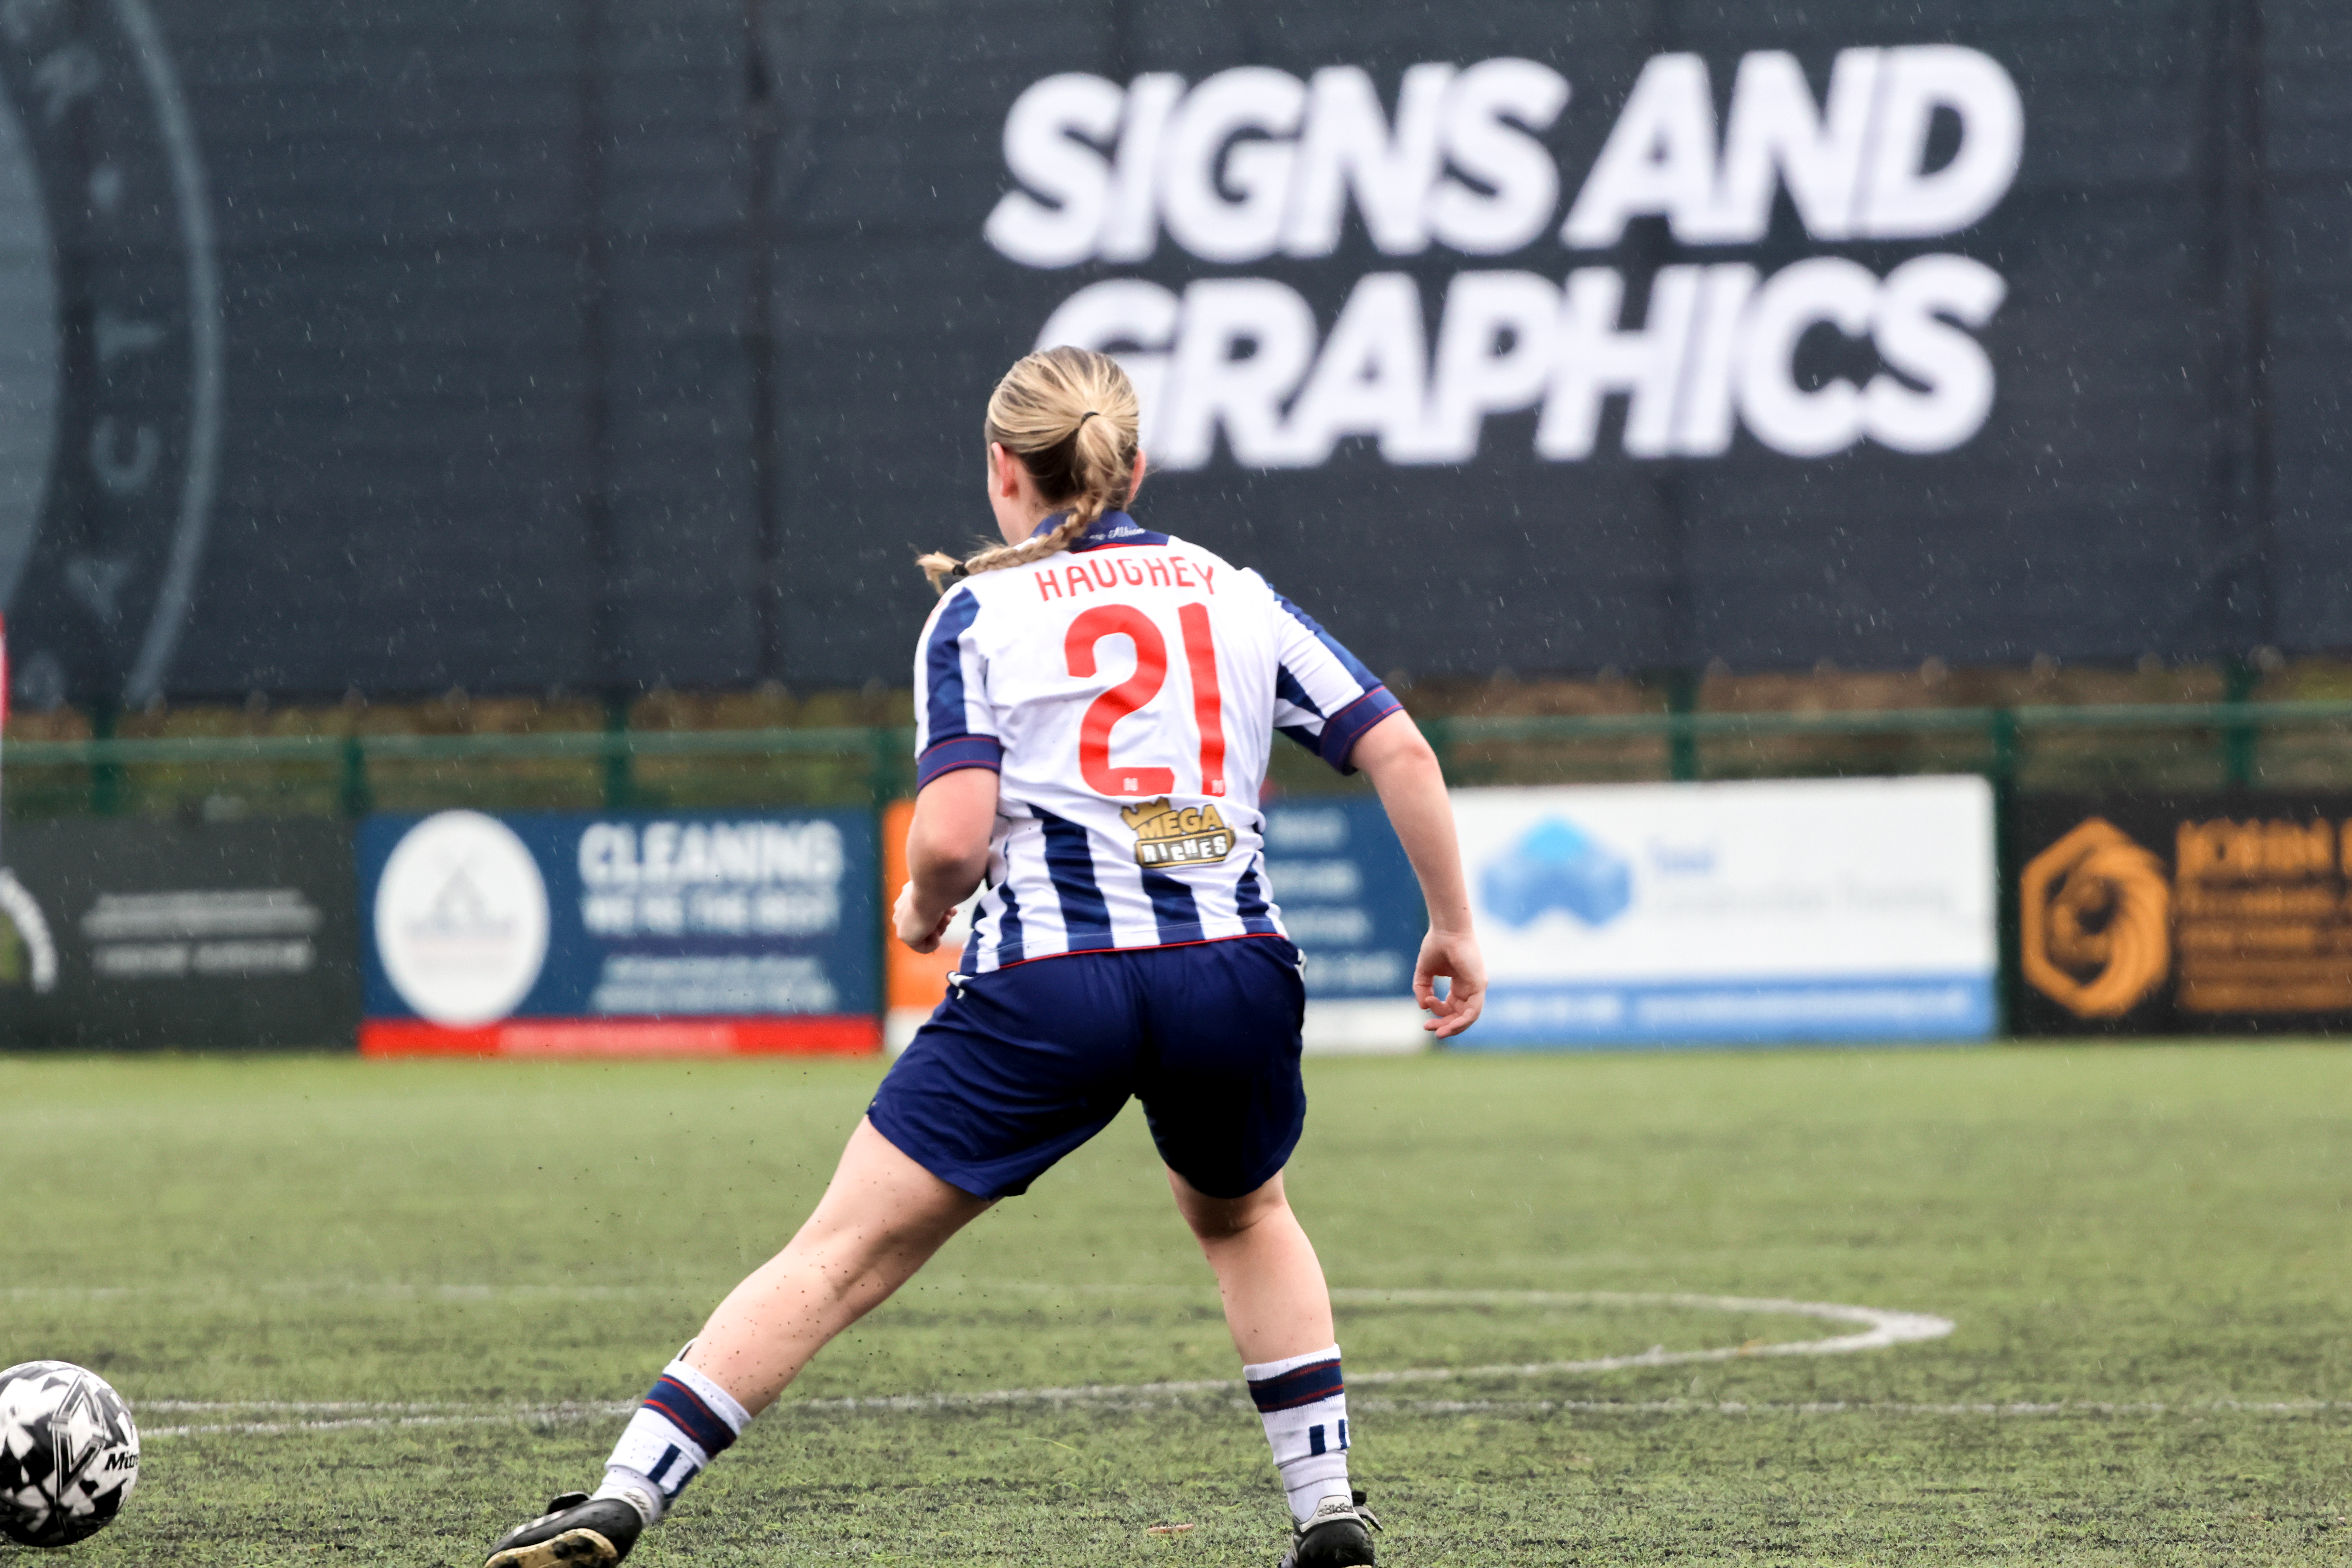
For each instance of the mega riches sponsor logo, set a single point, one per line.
(1905, 144)
(110, 348)
(1168, 835)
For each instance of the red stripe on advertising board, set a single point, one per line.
(836, 1034)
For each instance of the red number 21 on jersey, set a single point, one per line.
(1150, 673)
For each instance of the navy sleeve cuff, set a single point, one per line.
(1345, 728)
(963, 752)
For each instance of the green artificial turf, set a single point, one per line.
(2142, 1249)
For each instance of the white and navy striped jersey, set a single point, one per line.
(1127, 692)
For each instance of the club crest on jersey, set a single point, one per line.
(1168, 835)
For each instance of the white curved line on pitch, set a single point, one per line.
(1881, 1329)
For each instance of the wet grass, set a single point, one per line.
(2142, 1249)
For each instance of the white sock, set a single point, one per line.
(1304, 1403)
(686, 1422)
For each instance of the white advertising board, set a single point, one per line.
(1762, 912)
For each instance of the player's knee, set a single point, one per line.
(1215, 1219)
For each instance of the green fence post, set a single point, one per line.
(888, 766)
(105, 774)
(357, 799)
(2238, 678)
(1439, 733)
(2003, 776)
(1682, 743)
(2004, 748)
(620, 782)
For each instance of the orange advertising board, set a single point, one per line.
(913, 983)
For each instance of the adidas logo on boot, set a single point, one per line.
(1334, 1536)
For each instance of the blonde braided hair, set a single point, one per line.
(1071, 416)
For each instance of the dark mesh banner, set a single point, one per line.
(603, 343)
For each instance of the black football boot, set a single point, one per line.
(1333, 1536)
(577, 1531)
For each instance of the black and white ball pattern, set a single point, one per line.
(68, 1452)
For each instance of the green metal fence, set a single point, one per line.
(2301, 745)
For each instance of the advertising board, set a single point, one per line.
(914, 984)
(138, 935)
(676, 933)
(1735, 913)
(1348, 898)
(2190, 914)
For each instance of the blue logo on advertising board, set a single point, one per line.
(1557, 866)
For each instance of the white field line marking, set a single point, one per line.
(365, 1290)
(578, 1414)
(1861, 1407)
(1880, 1329)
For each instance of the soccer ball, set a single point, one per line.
(68, 1452)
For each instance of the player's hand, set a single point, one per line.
(1453, 956)
(913, 929)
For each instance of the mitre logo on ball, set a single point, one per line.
(110, 349)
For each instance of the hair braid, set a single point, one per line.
(1071, 416)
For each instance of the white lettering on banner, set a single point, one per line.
(1596, 357)
(615, 855)
(1253, 163)
(1854, 169)
(1494, 356)
(1239, 355)
(1209, 155)
(1212, 383)
(1348, 148)
(1130, 229)
(1043, 149)
(1494, 112)
(1315, 879)
(1368, 379)
(710, 879)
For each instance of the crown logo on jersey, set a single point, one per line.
(1168, 835)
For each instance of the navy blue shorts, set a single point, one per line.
(1022, 1065)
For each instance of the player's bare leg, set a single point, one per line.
(1277, 1303)
(1280, 1310)
(881, 1219)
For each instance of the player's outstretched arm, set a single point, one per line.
(1413, 787)
(947, 853)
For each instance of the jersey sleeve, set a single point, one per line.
(955, 726)
(1324, 698)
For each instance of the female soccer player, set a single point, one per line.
(1096, 703)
